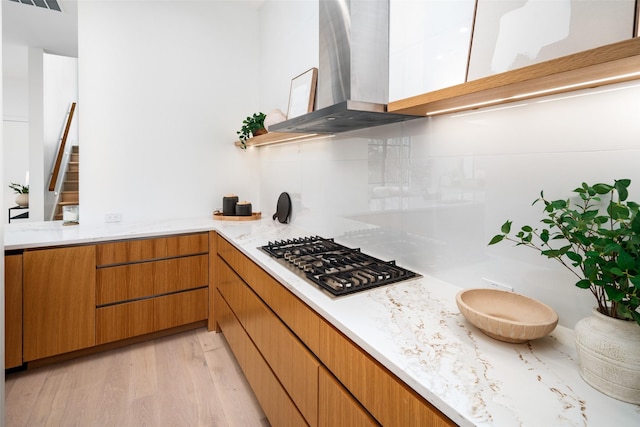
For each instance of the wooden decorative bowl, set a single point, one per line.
(506, 316)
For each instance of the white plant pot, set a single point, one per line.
(609, 355)
(22, 200)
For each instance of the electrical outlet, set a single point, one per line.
(113, 217)
(496, 285)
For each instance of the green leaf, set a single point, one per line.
(544, 235)
(613, 293)
(583, 284)
(616, 271)
(611, 248)
(506, 227)
(602, 188)
(574, 256)
(527, 229)
(625, 261)
(496, 239)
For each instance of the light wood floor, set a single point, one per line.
(188, 379)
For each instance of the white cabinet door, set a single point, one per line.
(428, 46)
(510, 34)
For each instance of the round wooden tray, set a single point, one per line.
(219, 216)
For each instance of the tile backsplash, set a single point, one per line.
(437, 189)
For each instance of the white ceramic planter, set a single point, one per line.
(609, 355)
(22, 200)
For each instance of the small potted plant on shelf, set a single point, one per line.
(251, 126)
(22, 191)
(599, 242)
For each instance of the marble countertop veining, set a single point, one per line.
(413, 328)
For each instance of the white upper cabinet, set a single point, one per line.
(510, 34)
(429, 45)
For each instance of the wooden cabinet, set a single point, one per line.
(295, 367)
(273, 398)
(337, 406)
(58, 300)
(148, 285)
(329, 379)
(12, 311)
(386, 397)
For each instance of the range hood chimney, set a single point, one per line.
(353, 71)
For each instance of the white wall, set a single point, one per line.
(15, 147)
(467, 174)
(164, 86)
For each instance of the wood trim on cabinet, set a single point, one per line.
(180, 308)
(337, 406)
(614, 63)
(154, 248)
(294, 366)
(388, 399)
(273, 399)
(121, 321)
(13, 311)
(276, 138)
(212, 325)
(134, 281)
(59, 300)
(301, 319)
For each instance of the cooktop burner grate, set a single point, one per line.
(336, 268)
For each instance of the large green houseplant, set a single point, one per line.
(597, 240)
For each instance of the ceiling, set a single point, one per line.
(55, 32)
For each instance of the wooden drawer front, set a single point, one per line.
(117, 322)
(302, 320)
(59, 295)
(180, 309)
(148, 249)
(337, 406)
(273, 399)
(295, 367)
(123, 283)
(387, 398)
(12, 311)
(128, 282)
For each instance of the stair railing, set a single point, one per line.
(60, 166)
(56, 167)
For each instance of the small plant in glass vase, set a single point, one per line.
(597, 238)
(251, 126)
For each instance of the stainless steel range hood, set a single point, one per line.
(353, 71)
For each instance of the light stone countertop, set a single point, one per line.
(413, 328)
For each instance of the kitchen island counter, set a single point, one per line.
(413, 328)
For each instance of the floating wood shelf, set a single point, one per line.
(276, 138)
(608, 64)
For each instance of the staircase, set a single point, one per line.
(71, 184)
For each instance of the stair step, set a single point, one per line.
(67, 203)
(69, 196)
(75, 148)
(75, 157)
(73, 167)
(72, 176)
(71, 186)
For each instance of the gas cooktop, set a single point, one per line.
(334, 267)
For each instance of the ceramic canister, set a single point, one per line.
(229, 204)
(243, 209)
